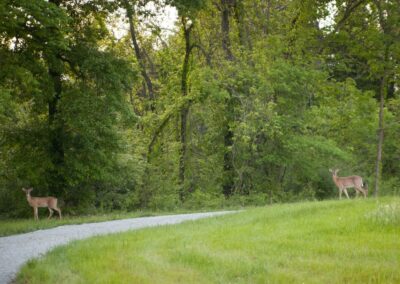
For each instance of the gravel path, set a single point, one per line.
(16, 250)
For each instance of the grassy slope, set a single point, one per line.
(356, 241)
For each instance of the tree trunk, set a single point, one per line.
(228, 162)
(182, 165)
(226, 42)
(185, 110)
(148, 90)
(378, 162)
(228, 183)
(382, 95)
(139, 55)
(56, 180)
(242, 32)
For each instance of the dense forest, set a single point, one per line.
(239, 102)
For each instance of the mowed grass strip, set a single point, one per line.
(356, 241)
(18, 226)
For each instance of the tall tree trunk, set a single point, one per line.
(139, 55)
(382, 94)
(148, 92)
(185, 109)
(56, 180)
(228, 183)
(226, 6)
(378, 162)
(266, 26)
(242, 32)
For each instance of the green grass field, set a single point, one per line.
(18, 226)
(348, 241)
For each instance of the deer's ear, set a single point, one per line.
(23, 189)
(330, 170)
(30, 189)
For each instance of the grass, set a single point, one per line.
(18, 226)
(349, 241)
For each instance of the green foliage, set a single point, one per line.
(91, 108)
(187, 7)
(202, 199)
(297, 98)
(391, 186)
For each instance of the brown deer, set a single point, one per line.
(347, 182)
(35, 202)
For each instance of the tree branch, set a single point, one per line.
(349, 10)
(206, 55)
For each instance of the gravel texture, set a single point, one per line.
(16, 250)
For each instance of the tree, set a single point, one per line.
(131, 15)
(243, 102)
(388, 17)
(366, 50)
(75, 97)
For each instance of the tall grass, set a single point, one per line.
(314, 242)
(386, 214)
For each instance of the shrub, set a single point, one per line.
(390, 186)
(200, 199)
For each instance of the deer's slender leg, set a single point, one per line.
(340, 193)
(35, 213)
(364, 192)
(50, 213)
(345, 192)
(357, 193)
(59, 212)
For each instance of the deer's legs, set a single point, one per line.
(50, 213)
(345, 192)
(59, 212)
(35, 213)
(340, 193)
(360, 189)
(364, 192)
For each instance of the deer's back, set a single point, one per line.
(351, 181)
(48, 201)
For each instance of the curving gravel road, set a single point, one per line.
(16, 250)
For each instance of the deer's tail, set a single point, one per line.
(365, 187)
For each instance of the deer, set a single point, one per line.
(348, 182)
(36, 202)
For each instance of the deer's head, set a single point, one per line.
(334, 172)
(27, 190)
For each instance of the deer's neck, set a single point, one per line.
(335, 178)
(29, 198)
